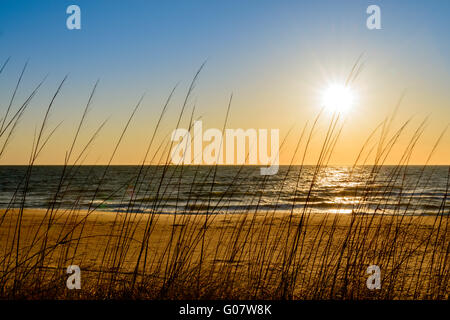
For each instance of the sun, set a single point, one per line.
(338, 98)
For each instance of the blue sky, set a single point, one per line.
(135, 39)
(269, 53)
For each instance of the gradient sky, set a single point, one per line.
(276, 57)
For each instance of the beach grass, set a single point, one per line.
(254, 254)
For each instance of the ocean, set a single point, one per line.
(410, 190)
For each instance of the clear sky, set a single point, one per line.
(276, 57)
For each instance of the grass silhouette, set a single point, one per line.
(259, 253)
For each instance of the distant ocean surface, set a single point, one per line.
(412, 190)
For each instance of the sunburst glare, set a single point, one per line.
(338, 98)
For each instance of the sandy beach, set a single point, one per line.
(236, 255)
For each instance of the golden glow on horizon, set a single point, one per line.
(338, 98)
